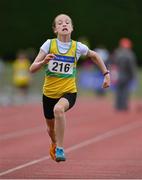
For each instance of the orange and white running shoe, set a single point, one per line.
(52, 151)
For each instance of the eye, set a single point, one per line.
(60, 22)
(67, 22)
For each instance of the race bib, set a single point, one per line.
(62, 65)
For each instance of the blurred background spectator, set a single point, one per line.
(124, 62)
(21, 74)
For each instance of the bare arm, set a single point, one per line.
(99, 62)
(40, 60)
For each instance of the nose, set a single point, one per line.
(64, 24)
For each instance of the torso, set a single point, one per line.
(61, 71)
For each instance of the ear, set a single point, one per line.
(55, 31)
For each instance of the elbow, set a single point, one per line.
(31, 70)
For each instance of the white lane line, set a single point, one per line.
(24, 165)
(96, 139)
(17, 134)
(21, 133)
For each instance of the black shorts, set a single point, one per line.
(49, 103)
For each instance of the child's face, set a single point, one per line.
(63, 25)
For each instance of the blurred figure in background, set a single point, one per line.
(21, 75)
(124, 60)
(31, 53)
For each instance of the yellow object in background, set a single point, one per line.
(21, 76)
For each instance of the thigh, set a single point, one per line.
(71, 98)
(67, 101)
(48, 106)
(62, 104)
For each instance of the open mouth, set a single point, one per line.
(64, 29)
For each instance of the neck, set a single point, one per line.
(64, 38)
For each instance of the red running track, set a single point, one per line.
(99, 143)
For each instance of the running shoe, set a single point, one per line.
(60, 155)
(52, 151)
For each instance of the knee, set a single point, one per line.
(58, 111)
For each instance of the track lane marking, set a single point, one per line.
(29, 131)
(21, 133)
(101, 137)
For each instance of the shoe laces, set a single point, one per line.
(60, 151)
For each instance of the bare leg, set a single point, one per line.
(51, 129)
(60, 120)
(51, 132)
